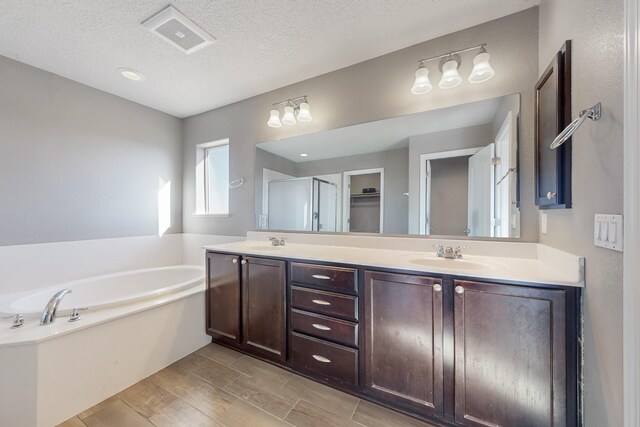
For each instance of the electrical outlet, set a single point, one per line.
(607, 231)
(543, 222)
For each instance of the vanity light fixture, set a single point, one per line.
(421, 84)
(450, 77)
(295, 110)
(449, 65)
(482, 70)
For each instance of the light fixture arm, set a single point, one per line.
(452, 53)
(293, 102)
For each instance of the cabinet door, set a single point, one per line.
(403, 341)
(264, 312)
(510, 346)
(223, 297)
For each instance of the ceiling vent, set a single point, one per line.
(179, 30)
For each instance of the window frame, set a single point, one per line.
(203, 202)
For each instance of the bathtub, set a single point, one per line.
(107, 290)
(138, 322)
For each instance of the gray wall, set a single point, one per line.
(449, 196)
(396, 182)
(77, 163)
(596, 29)
(437, 142)
(371, 90)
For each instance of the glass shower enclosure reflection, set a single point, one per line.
(302, 204)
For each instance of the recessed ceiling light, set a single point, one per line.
(131, 74)
(303, 155)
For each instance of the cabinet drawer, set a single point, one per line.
(322, 302)
(330, 361)
(325, 327)
(335, 278)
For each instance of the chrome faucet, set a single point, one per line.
(49, 313)
(277, 242)
(439, 251)
(449, 252)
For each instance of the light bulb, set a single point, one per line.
(421, 84)
(288, 118)
(450, 76)
(303, 114)
(274, 119)
(482, 70)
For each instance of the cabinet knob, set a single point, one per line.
(437, 288)
(235, 260)
(551, 195)
(243, 262)
(459, 290)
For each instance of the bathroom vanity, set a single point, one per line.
(456, 342)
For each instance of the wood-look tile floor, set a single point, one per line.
(216, 386)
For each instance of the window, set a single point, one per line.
(212, 178)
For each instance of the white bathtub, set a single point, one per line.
(106, 290)
(138, 322)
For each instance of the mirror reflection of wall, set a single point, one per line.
(445, 172)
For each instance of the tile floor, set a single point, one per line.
(216, 386)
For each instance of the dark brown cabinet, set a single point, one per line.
(223, 297)
(323, 322)
(264, 307)
(510, 359)
(457, 352)
(403, 340)
(246, 303)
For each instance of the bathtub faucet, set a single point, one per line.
(49, 313)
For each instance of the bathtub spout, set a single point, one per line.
(49, 313)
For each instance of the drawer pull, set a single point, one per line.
(321, 277)
(321, 327)
(320, 302)
(321, 359)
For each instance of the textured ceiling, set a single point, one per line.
(262, 44)
(382, 135)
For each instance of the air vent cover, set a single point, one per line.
(179, 30)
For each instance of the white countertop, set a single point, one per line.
(532, 262)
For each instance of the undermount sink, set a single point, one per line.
(449, 263)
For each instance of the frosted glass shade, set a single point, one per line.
(450, 76)
(482, 70)
(288, 118)
(304, 115)
(274, 119)
(421, 84)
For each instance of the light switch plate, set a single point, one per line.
(607, 231)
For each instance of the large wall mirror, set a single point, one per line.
(445, 172)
